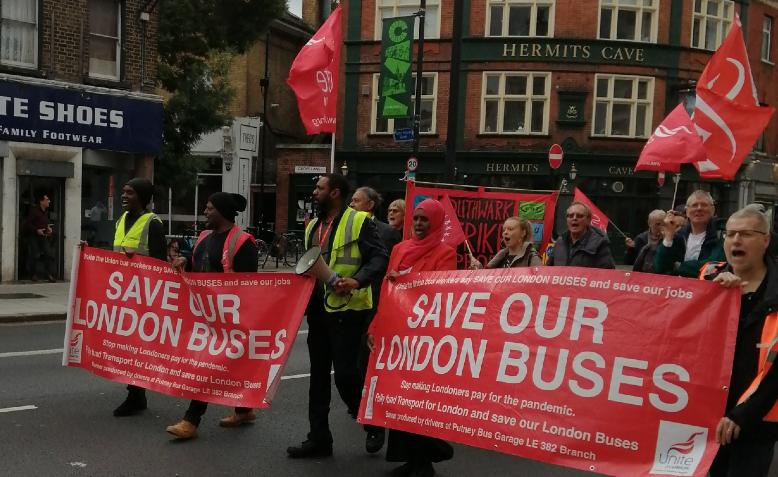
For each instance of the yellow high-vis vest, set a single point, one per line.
(345, 260)
(136, 240)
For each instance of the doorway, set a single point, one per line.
(31, 188)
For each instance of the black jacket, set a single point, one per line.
(749, 414)
(593, 250)
(631, 253)
(712, 250)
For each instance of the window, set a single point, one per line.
(711, 22)
(295, 7)
(19, 33)
(767, 33)
(404, 8)
(429, 103)
(515, 103)
(631, 20)
(520, 18)
(622, 106)
(104, 38)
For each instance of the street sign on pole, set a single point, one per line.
(412, 164)
(555, 155)
(403, 134)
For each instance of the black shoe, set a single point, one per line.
(52, 279)
(422, 469)
(375, 440)
(132, 405)
(402, 471)
(309, 449)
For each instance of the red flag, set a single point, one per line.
(727, 114)
(314, 76)
(673, 143)
(599, 219)
(452, 229)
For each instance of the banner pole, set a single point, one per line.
(466, 186)
(676, 179)
(332, 154)
(71, 302)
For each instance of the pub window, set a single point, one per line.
(710, 22)
(515, 103)
(631, 20)
(429, 103)
(404, 8)
(520, 18)
(104, 39)
(622, 106)
(19, 33)
(767, 36)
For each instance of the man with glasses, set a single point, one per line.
(749, 430)
(582, 245)
(686, 247)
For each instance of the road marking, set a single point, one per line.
(19, 408)
(296, 376)
(14, 354)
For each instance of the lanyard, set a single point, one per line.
(326, 233)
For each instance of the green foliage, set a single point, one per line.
(197, 40)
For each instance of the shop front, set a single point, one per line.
(77, 146)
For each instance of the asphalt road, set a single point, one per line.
(64, 427)
(57, 421)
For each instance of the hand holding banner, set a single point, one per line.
(586, 368)
(217, 337)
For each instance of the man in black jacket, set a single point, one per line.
(748, 431)
(651, 237)
(582, 245)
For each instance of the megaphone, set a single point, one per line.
(313, 264)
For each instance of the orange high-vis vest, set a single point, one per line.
(235, 239)
(768, 346)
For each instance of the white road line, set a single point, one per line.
(14, 354)
(19, 408)
(296, 376)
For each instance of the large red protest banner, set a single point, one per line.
(611, 372)
(217, 337)
(482, 214)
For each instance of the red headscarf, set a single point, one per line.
(415, 248)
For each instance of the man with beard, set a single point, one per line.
(137, 231)
(222, 248)
(338, 312)
(686, 247)
(748, 431)
(582, 245)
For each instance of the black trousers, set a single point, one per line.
(197, 408)
(743, 458)
(40, 257)
(135, 392)
(334, 342)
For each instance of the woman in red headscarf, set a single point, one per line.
(423, 253)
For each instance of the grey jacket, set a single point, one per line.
(593, 250)
(528, 258)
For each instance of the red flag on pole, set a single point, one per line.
(599, 219)
(674, 142)
(727, 114)
(314, 76)
(453, 234)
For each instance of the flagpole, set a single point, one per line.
(332, 154)
(676, 179)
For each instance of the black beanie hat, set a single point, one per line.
(144, 188)
(228, 204)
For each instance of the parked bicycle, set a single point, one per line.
(286, 249)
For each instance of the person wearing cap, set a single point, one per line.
(222, 248)
(138, 231)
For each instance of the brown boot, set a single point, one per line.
(238, 419)
(183, 430)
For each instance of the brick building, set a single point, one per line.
(594, 76)
(77, 117)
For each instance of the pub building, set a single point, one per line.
(78, 119)
(595, 77)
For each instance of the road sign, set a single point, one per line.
(412, 164)
(555, 156)
(403, 134)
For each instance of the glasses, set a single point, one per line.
(576, 216)
(744, 234)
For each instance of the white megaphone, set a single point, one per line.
(312, 264)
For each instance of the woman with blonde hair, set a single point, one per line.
(518, 252)
(396, 214)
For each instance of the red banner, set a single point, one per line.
(482, 214)
(611, 372)
(217, 337)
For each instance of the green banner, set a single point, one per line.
(396, 81)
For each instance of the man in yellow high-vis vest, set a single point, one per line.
(138, 231)
(748, 431)
(338, 313)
